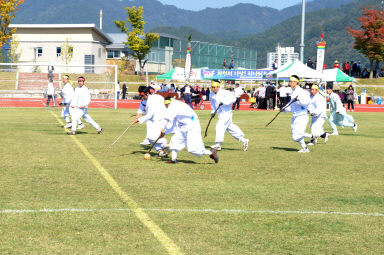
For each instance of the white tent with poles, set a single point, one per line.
(295, 68)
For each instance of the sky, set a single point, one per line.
(197, 5)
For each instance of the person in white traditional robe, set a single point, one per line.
(79, 107)
(67, 94)
(184, 123)
(338, 115)
(318, 111)
(225, 99)
(154, 118)
(298, 105)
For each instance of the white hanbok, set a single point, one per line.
(299, 109)
(67, 94)
(79, 107)
(154, 119)
(184, 122)
(224, 122)
(318, 110)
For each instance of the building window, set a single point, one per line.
(99, 53)
(58, 51)
(39, 51)
(113, 54)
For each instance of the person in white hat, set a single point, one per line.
(225, 99)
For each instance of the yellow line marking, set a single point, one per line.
(160, 235)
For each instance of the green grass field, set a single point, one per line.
(268, 200)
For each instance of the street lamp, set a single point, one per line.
(302, 32)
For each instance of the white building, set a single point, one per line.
(43, 44)
(282, 55)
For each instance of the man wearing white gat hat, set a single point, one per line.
(298, 105)
(225, 99)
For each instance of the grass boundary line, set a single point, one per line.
(159, 234)
(234, 211)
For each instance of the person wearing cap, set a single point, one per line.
(184, 123)
(318, 110)
(224, 99)
(79, 107)
(154, 119)
(67, 94)
(238, 92)
(298, 105)
(338, 114)
(187, 91)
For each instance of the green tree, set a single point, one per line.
(66, 52)
(139, 42)
(8, 9)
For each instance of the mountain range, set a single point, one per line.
(243, 25)
(243, 18)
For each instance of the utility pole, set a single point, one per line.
(302, 32)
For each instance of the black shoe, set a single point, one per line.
(171, 161)
(214, 156)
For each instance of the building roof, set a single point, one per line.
(90, 26)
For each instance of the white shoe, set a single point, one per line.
(81, 126)
(216, 147)
(355, 127)
(310, 144)
(334, 133)
(245, 144)
(145, 142)
(304, 150)
(68, 125)
(326, 137)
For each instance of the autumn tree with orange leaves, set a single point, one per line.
(8, 9)
(370, 39)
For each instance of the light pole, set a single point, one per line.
(302, 32)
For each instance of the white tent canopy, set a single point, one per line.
(295, 68)
(336, 75)
(177, 74)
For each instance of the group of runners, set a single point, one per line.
(315, 103)
(170, 116)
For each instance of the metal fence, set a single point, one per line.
(204, 54)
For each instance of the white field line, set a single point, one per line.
(218, 211)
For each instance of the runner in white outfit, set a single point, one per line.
(154, 118)
(67, 93)
(299, 103)
(318, 110)
(79, 105)
(225, 98)
(184, 122)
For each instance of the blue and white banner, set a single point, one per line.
(230, 74)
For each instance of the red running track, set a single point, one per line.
(134, 104)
